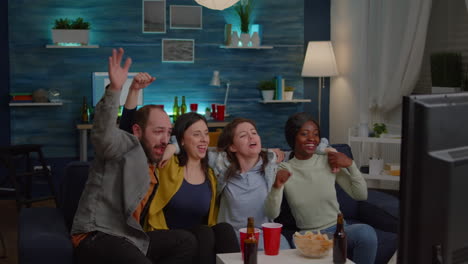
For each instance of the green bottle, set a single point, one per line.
(175, 109)
(183, 106)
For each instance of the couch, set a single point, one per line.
(380, 210)
(43, 233)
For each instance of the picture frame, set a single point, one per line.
(154, 16)
(178, 50)
(185, 17)
(101, 80)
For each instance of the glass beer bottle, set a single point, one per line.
(339, 241)
(183, 106)
(175, 109)
(84, 111)
(250, 244)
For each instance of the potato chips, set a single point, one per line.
(313, 245)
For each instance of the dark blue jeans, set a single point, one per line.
(166, 246)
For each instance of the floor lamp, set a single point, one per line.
(319, 62)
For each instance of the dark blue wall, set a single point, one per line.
(4, 76)
(286, 26)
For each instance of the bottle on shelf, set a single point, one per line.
(339, 241)
(183, 106)
(175, 109)
(84, 111)
(250, 244)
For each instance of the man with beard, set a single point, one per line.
(108, 224)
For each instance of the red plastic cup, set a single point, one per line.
(243, 236)
(193, 107)
(220, 112)
(271, 238)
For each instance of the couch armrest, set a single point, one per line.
(43, 237)
(380, 210)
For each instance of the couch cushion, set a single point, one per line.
(42, 237)
(76, 175)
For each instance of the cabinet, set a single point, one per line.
(387, 147)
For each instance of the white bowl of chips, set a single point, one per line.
(313, 245)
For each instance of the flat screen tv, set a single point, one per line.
(434, 180)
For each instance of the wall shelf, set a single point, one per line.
(285, 101)
(259, 47)
(72, 47)
(36, 104)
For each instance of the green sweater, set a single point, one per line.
(311, 193)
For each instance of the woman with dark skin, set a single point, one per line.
(309, 185)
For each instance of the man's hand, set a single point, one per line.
(282, 176)
(117, 73)
(338, 160)
(141, 80)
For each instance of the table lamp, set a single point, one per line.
(319, 62)
(217, 81)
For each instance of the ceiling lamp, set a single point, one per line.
(216, 4)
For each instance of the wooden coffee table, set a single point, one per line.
(289, 256)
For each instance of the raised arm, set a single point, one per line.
(275, 196)
(108, 140)
(349, 177)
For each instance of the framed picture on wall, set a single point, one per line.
(101, 80)
(185, 17)
(154, 16)
(178, 50)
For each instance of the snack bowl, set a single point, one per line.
(313, 245)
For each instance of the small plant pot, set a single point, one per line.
(268, 94)
(288, 95)
(80, 36)
(245, 39)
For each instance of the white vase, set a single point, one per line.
(288, 95)
(363, 130)
(268, 94)
(234, 39)
(255, 40)
(80, 36)
(245, 39)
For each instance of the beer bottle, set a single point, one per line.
(183, 106)
(84, 111)
(250, 244)
(175, 109)
(339, 241)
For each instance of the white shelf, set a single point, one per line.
(285, 101)
(36, 104)
(388, 140)
(72, 47)
(259, 47)
(384, 177)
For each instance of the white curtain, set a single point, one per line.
(379, 54)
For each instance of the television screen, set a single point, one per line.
(434, 179)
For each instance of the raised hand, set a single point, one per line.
(279, 154)
(141, 80)
(338, 160)
(282, 176)
(117, 73)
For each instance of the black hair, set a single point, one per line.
(293, 125)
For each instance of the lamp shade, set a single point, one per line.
(216, 4)
(215, 81)
(319, 60)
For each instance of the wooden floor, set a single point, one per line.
(9, 229)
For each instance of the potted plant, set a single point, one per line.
(379, 129)
(244, 10)
(71, 31)
(288, 92)
(446, 72)
(267, 88)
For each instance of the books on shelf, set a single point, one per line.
(21, 97)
